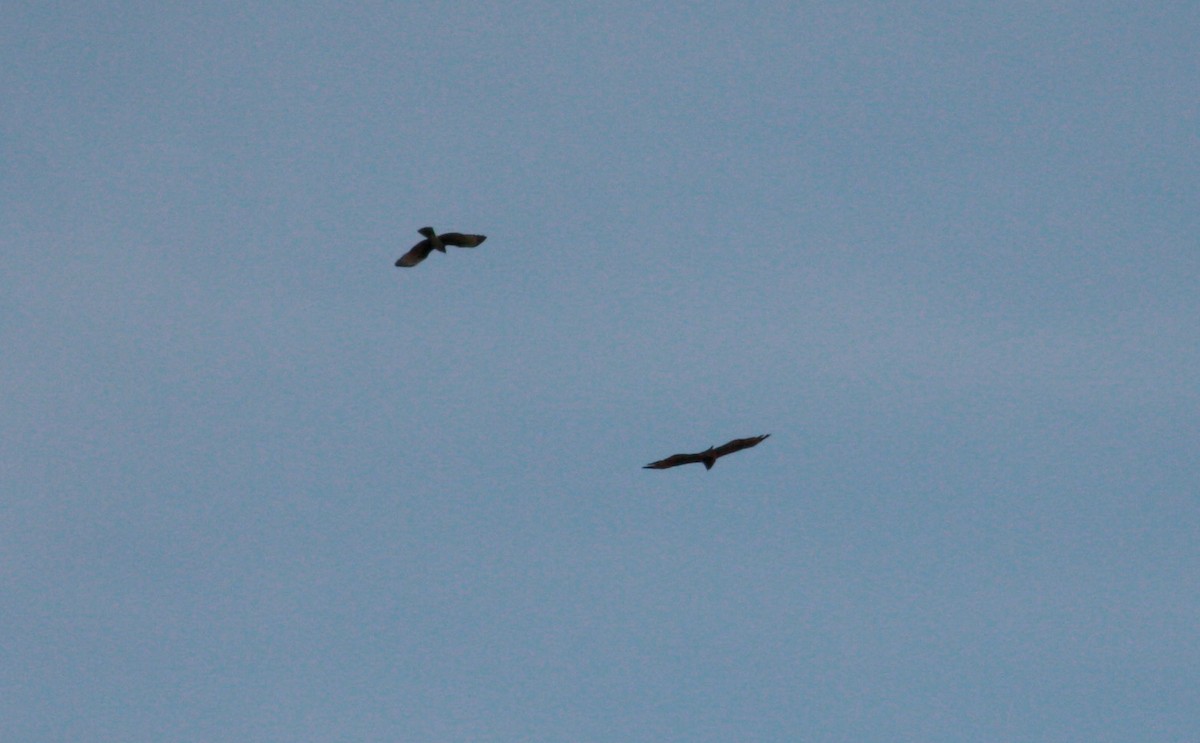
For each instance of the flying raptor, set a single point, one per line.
(433, 241)
(709, 456)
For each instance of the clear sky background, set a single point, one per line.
(260, 485)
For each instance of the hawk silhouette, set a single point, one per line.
(434, 241)
(709, 456)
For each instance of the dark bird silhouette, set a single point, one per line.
(434, 241)
(709, 456)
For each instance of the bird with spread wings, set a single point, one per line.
(434, 241)
(709, 456)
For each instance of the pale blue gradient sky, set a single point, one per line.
(260, 485)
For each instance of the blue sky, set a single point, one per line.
(261, 485)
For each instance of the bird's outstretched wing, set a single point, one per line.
(738, 445)
(418, 253)
(459, 240)
(674, 461)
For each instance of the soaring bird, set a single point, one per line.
(709, 456)
(433, 241)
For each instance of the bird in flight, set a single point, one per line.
(709, 456)
(433, 241)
